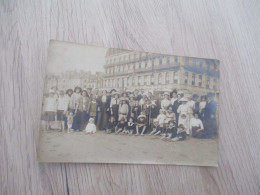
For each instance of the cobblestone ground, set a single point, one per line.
(57, 146)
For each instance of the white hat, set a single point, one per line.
(184, 99)
(166, 93)
(51, 91)
(141, 116)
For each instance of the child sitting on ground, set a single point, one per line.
(91, 127)
(155, 127)
(121, 126)
(111, 125)
(181, 134)
(161, 118)
(141, 124)
(170, 115)
(130, 127)
(171, 131)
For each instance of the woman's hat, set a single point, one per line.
(184, 99)
(174, 91)
(115, 93)
(172, 121)
(141, 116)
(153, 103)
(155, 120)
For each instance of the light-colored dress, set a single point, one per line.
(184, 109)
(91, 128)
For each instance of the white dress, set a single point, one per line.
(91, 128)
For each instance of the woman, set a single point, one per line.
(74, 106)
(210, 122)
(103, 114)
(84, 109)
(184, 112)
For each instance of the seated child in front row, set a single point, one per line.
(141, 124)
(111, 125)
(130, 128)
(91, 127)
(181, 134)
(121, 126)
(171, 131)
(155, 127)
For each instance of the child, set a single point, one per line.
(93, 108)
(130, 126)
(123, 109)
(196, 126)
(141, 124)
(111, 125)
(170, 116)
(181, 133)
(161, 117)
(50, 106)
(114, 105)
(155, 127)
(171, 131)
(121, 126)
(70, 121)
(91, 127)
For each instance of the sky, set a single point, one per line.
(64, 56)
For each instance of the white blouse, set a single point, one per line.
(196, 123)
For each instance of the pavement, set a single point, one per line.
(100, 147)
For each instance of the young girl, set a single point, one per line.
(50, 106)
(111, 125)
(91, 127)
(153, 112)
(70, 117)
(141, 124)
(121, 126)
(130, 126)
(74, 105)
(123, 109)
(170, 116)
(161, 117)
(165, 103)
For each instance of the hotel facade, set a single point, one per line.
(126, 69)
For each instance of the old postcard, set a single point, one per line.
(107, 105)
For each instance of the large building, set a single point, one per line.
(126, 69)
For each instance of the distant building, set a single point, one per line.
(71, 79)
(142, 70)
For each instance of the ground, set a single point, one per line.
(57, 146)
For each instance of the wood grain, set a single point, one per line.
(224, 29)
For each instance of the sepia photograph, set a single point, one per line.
(109, 105)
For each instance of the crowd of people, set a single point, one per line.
(169, 115)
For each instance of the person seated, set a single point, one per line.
(121, 126)
(141, 124)
(196, 126)
(181, 133)
(171, 131)
(91, 127)
(111, 125)
(130, 127)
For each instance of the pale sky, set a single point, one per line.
(63, 56)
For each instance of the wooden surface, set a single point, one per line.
(226, 30)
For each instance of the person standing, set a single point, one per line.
(184, 112)
(62, 108)
(175, 106)
(114, 105)
(50, 108)
(74, 106)
(104, 105)
(210, 122)
(84, 109)
(165, 103)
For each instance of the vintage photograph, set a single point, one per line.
(107, 105)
